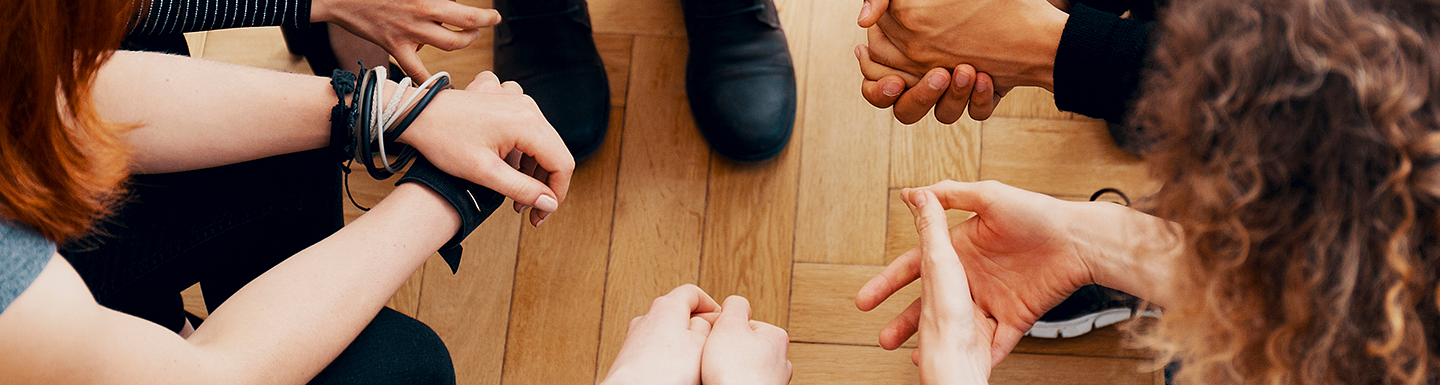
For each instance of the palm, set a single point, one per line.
(1018, 267)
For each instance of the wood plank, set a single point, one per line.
(194, 300)
(261, 47)
(928, 151)
(846, 364)
(1033, 102)
(560, 278)
(638, 17)
(844, 155)
(196, 42)
(749, 234)
(660, 200)
(822, 305)
(1061, 158)
(750, 222)
(615, 50)
(470, 309)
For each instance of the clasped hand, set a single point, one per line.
(951, 54)
(686, 339)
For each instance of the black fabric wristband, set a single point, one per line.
(475, 203)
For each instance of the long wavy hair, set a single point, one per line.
(1300, 145)
(62, 163)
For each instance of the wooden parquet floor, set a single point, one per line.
(655, 208)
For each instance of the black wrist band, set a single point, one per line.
(342, 116)
(475, 203)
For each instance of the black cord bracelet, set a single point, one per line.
(342, 116)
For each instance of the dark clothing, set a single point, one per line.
(23, 254)
(224, 226)
(164, 17)
(1100, 60)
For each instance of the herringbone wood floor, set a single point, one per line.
(797, 235)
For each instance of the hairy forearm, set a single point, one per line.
(286, 325)
(1128, 250)
(189, 114)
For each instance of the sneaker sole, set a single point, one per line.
(1080, 326)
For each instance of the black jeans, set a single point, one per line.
(224, 226)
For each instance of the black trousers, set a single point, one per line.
(224, 226)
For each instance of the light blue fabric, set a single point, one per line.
(23, 254)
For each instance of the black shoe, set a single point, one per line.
(1092, 307)
(740, 79)
(553, 57)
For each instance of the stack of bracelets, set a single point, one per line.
(365, 130)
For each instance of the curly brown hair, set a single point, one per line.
(1298, 142)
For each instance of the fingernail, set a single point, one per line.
(539, 222)
(982, 87)
(892, 89)
(919, 199)
(547, 204)
(936, 82)
(864, 11)
(523, 208)
(857, 52)
(962, 80)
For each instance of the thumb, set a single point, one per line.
(409, 60)
(945, 286)
(735, 313)
(497, 175)
(870, 12)
(700, 325)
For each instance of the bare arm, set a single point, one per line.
(1128, 250)
(191, 114)
(284, 327)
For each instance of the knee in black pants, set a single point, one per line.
(393, 349)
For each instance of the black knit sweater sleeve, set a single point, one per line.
(1099, 63)
(160, 17)
(1116, 7)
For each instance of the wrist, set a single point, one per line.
(1047, 26)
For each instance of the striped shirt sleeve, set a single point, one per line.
(162, 17)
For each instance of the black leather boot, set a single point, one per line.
(740, 79)
(547, 47)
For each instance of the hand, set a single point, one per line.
(955, 337)
(664, 345)
(494, 135)
(883, 87)
(745, 351)
(1020, 256)
(403, 26)
(1014, 41)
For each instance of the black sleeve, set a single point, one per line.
(177, 16)
(1098, 64)
(1116, 7)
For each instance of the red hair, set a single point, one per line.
(62, 163)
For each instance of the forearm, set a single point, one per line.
(190, 114)
(1128, 250)
(293, 320)
(159, 17)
